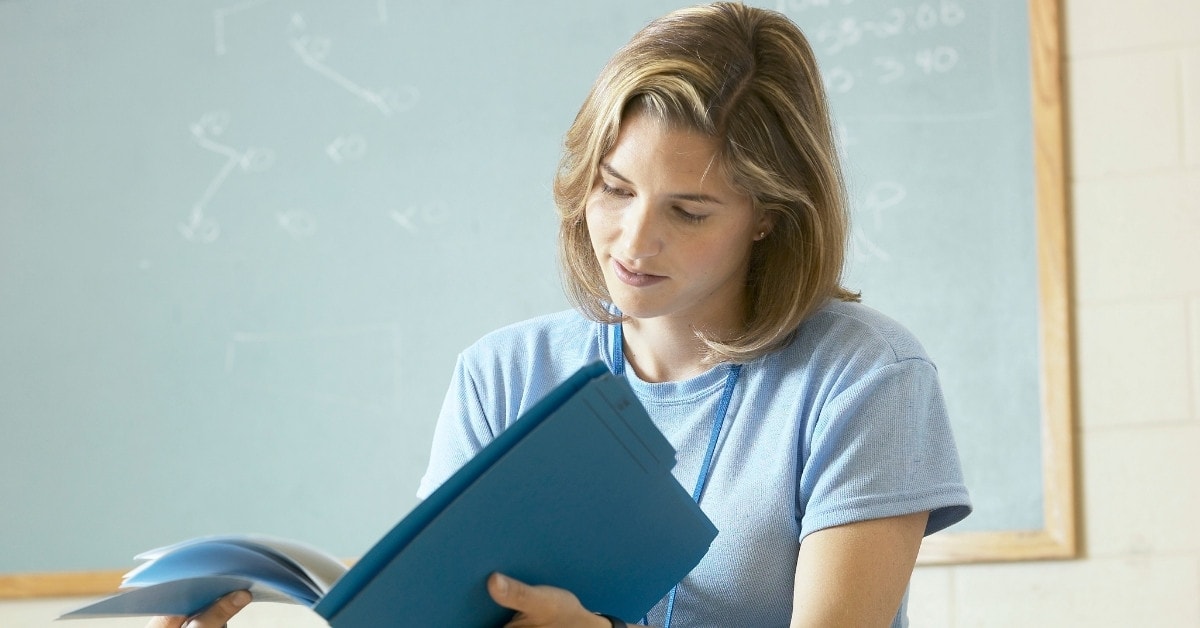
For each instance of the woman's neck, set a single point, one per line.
(659, 351)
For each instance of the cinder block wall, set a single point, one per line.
(1133, 72)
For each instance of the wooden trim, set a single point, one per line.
(1058, 538)
(1054, 262)
(82, 583)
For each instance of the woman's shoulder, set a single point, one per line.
(531, 338)
(533, 356)
(852, 331)
(556, 324)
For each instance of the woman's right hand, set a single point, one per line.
(214, 616)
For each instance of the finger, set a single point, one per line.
(507, 592)
(539, 601)
(526, 598)
(540, 605)
(218, 614)
(166, 622)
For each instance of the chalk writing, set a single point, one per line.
(845, 138)
(879, 199)
(834, 36)
(887, 69)
(313, 50)
(839, 80)
(297, 223)
(901, 43)
(199, 226)
(413, 217)
(864, 248)
(800, 5)
(346, 148)
(936, 60)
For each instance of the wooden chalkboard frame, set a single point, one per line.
(1057, 539)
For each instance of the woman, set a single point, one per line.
(703, 231)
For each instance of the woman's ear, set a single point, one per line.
(766, 222)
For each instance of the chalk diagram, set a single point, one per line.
(414, 217)
(220, 15)
(880, 199)
(868, 52)
(313, 52)
(297, 223)
(200, 227)
(346, 147)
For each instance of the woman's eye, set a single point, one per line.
(612, 191)
(688, 216)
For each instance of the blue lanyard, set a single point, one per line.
(618, 359)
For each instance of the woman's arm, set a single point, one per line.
(856, 574)
(851, 575)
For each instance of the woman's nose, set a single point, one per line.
(640, 233)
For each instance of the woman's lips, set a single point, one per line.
(635, 279)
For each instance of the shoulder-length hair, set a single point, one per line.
(748, 78)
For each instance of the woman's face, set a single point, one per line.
(671, 233)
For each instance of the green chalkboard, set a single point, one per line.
(242, 242)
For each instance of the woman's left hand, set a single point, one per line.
(541, 606)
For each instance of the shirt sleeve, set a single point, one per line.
(462, 429)
(882, 447)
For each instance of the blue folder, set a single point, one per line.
(577, 493)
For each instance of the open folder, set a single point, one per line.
(577, 493)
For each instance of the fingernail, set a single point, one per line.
(502, 584)
(240, 599)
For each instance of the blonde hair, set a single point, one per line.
(748, 78)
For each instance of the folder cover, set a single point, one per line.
(577, 494)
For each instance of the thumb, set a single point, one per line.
(508, 592)
(539, 605)
(220, 612)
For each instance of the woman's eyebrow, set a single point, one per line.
(692, 197)
(607, 167)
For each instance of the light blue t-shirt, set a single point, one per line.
(845, 423)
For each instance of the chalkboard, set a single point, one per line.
(242, 243)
